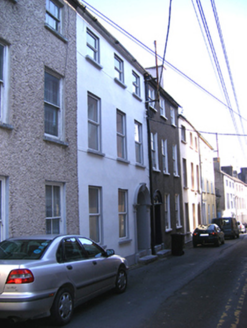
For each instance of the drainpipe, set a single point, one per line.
(147, 78)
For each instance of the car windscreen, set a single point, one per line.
(17, 249)
(226, 223)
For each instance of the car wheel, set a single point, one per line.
(62, 308)
(223, 241)
(121, 280)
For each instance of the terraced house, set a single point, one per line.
(38, 118)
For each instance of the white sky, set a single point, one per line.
(148, 20)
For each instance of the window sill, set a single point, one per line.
(95, 152)
(154, 109)
(120, 83)
(125, 241)
(186, 188)
(179, 227)
(176, 176)
(54, 32)
(93, 62)
(56, 141)
(184, 142)
(122, 160)
(137, 97)
(6, 126)
(156, 170)
(168, 230)
(166, 173)
(140, 166)
(174, 125)
(164, 117)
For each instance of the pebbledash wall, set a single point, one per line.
(31, 159)
(113, 186)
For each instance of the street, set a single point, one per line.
(205, 287)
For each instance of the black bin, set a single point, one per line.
(177, 243)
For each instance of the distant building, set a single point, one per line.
(207, 180)
(231, 193)
(191, 175)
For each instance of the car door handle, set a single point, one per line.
(69, 267)
(94, 262)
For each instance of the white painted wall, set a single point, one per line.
(106, 171)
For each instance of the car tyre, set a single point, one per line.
(62, 308)
(223, 241)
(121, 280)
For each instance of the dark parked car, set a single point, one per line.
(229, 226)
(43, 275)
(208, 234)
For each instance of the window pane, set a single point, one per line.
(48, 201)
(122, 226)
(56, 193)
(138, 153)
(51, 89)
(121, 201)
(92, 109)
(51, 120)
(94, 228)
(55, 226)
(120, 147)
(93, 200)
(1, 62)
(93, 136)
(120, 126)
(91, 40)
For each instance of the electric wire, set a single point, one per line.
(217, 64)
(167, 35)
(226, 58)
(152, 52)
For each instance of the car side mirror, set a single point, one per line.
(110, 252)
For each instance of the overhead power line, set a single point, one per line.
(226, 58)
(152, 52)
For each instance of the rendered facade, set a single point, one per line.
(38, 115)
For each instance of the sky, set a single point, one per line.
(187, 51)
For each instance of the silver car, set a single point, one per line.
(51, 275)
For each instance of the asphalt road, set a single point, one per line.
(205, 287)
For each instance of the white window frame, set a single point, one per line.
(136, 84)
(119, 68)
(57, 108)
(175, 160)
(163, 107)
(3, 208)
(93, 48)
(154, 151)
(121, 136)
(60, 217)
(123, 214)
(94, 124)
(192, 176)
(54, 19)
(164, 153)
(95, 215)
(177, 210)
(151, 97)
(185, 175)
(183, 133)
(138, 143)
(172, 113)
(167, 212)
(4, 83)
